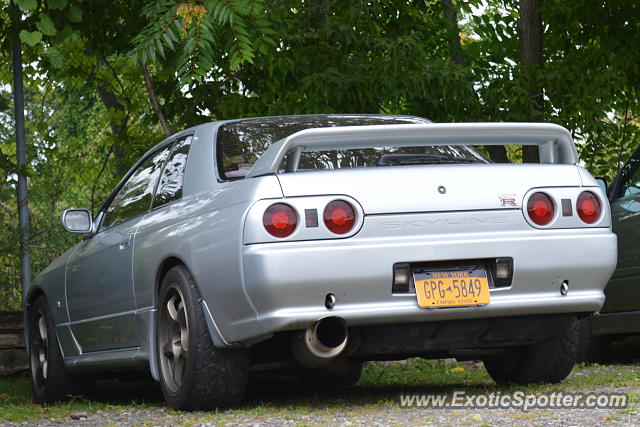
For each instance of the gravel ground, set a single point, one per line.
(353, 415)
(275, 403)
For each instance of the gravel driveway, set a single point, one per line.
(278, 402)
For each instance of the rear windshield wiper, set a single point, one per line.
(422, 159)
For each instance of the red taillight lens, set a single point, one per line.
(280, 220)
(588, 207)
(339, 217)
(540, 208)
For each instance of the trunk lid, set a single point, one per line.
(432, 188)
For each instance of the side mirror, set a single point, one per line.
(77, 221)
(602, 183)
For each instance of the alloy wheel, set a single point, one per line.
(39, 345)
(173, 338)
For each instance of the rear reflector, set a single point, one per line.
(401, 278)
(339, 217)
(280, 220)
(588, 207)
(540, 208)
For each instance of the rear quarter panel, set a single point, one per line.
(204, 231)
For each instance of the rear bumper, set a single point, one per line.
(287, 282)
(454, 338)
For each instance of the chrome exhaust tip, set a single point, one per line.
(318, 345)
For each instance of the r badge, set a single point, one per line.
(508, 199)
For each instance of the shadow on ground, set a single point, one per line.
(279, 391)
(626, 351)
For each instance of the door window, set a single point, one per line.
(134, 197)
(170, 186)
(630, 178)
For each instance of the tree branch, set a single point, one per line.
(95, 182)
(154, 101)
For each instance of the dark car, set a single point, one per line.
(620, 315)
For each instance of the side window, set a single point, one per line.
(170, 186)
(134, 197)
(630, 179)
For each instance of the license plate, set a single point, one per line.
(455, 288)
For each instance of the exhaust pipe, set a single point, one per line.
(318, 345)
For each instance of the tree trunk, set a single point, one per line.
(497, 153)
(451, 15)
(530, 33)
(119, 123)
(118, 114)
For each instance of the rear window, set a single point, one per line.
(240, 144)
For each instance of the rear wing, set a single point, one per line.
(554, 142)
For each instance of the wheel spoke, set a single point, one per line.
(178, 370)
(182, 320)
(177, 349)
(167, 350)
(171, 308)
(173, 338)
(42, 328)
(38, 349)
(184, 329)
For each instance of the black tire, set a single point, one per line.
(50, 380)
(592, 349)
(550, 361)
(323, 379)
(196, 375)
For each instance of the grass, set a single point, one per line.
(270, 396)
(16, 404)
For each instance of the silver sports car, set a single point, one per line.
(309, 244)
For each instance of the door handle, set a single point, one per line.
(125, 245)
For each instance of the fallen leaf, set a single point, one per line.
(458, 369)
(477, 418)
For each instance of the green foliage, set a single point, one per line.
(89, 118)
(196, 31)
(27, 5)
(57, 4)
(30, 38)
(74, 14)
(46, 25)
(87, 121)
(589, 75)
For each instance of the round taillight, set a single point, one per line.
(280, 220)
(588, 207)
(540, 208)
(339, 217)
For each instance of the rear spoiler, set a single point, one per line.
(554, 142)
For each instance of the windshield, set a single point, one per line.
(240, 144)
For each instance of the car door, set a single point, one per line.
(623, 291)
(99, 278)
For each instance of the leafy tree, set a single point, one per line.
(105, 80)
